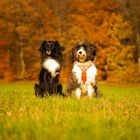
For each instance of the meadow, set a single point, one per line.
(115, 116)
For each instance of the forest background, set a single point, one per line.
(112, 25)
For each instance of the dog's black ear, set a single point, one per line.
(42, 45)
(59, 46)
(93, 51)
(73, 54)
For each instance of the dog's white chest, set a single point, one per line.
(52, 66)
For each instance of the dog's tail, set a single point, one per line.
(97, 92)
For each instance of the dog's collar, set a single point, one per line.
(49, 57)
(84, 65)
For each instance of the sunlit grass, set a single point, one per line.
(112, 117)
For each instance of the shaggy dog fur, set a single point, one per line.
(83, 77)
(51, 60)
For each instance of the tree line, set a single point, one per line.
(112, 25)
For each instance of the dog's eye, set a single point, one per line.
(52, 45)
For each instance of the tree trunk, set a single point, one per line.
(136, 51)
(21, 64)
(17, 63)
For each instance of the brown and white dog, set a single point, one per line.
(84, 72)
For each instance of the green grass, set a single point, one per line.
(116, 116)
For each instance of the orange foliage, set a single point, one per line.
(24, 24)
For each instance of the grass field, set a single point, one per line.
(116, 116)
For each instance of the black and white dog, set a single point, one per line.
(84, 72)
(51, 60)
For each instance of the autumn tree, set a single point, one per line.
(101, 23)
(17, 25)
(112, 25)
(130, 10)
(23, 26)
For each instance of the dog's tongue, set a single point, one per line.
(82, 58)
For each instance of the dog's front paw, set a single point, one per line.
(38, 91)
(78, 93)
(60, 90)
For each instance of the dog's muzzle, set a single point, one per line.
(81, 55)
(48, 52)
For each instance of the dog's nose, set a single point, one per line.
(80, 52)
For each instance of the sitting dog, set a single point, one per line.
(51, 60)
(84, 72)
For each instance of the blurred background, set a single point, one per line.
(112, 25)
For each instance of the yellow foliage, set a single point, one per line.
(24, 24)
